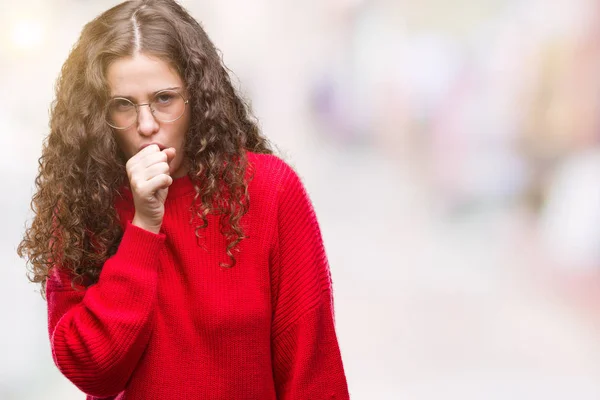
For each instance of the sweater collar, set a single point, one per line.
(181, 186)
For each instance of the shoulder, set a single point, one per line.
(271, 173)
(269, 164)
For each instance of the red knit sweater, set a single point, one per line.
(165, 321)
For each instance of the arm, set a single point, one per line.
(307, 363)
(98, 334)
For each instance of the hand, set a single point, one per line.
(149, 179)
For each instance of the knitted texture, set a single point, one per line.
(165, 321)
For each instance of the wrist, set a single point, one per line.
(139, 222)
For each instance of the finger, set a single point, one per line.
(170, 152)
(161, 181)
(156, 169)
(153, 148)
(152, 158)
(142, 154)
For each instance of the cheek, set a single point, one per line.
(180, 132)
(125, 145)
(185, 123)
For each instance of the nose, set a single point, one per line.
(147, 125)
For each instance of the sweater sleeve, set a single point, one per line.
(307, 363)
(98, 334)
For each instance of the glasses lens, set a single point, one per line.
(168, 106)
(120, 113)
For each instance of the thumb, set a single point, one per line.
(170, 152)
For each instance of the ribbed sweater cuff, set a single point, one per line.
(139, 246)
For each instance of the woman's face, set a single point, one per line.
(138, 78)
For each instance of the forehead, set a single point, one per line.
(140, 75)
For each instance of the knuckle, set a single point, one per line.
(135, 185)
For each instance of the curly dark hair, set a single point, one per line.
(81, 168)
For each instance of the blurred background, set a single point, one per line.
(452, 152)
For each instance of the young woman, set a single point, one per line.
(179, 257)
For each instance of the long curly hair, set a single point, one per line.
(81, 168)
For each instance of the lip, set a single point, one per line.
(160, 146)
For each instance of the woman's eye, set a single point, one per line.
(164, 98)
(122, 105)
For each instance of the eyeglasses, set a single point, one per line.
(166, 106)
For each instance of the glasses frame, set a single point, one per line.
(137, 112)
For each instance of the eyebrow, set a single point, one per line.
(151, 94)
